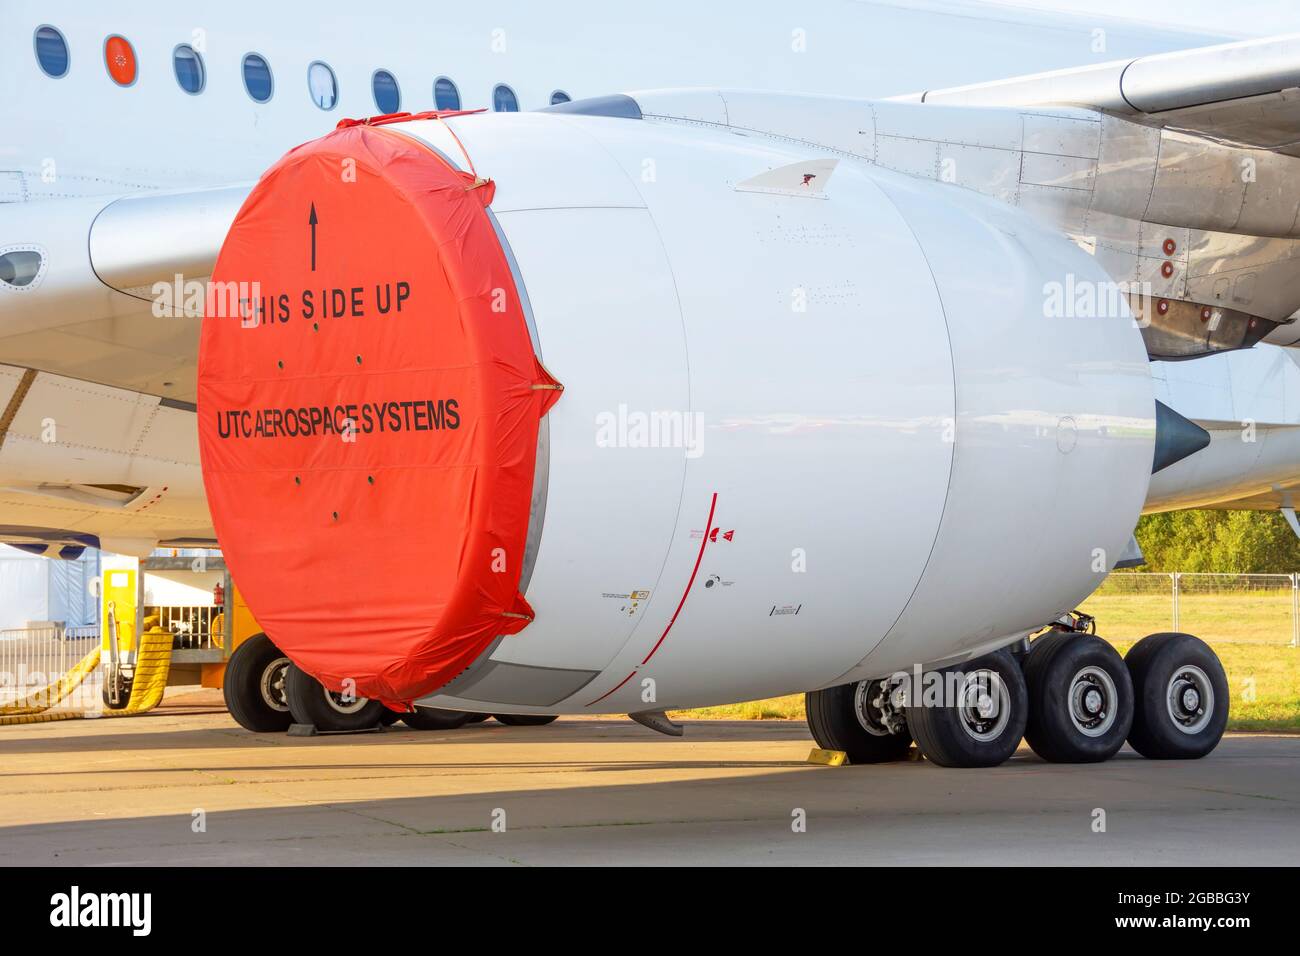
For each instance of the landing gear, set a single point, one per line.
(1182, 697)
(525, 720)
(265, 692)
(970, 715)
(431, 718)
(860, 719)
(253, 686)
(1071, 697)
(1080, 698)
(310, 703)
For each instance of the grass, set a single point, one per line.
(1248, 631)
(789, 707)
(1219, 619)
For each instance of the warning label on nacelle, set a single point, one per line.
(265, 310)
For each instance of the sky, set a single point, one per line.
(1238, 18)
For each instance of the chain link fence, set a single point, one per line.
(31, 658)
(1219, 608)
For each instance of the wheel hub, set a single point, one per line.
(272, 684)
(345, 704)
(984, 707)
(1093, 699)
(1190, 699)
(873, 705)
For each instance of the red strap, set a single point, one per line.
(387, 118)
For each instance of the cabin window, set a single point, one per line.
(257, 77)
(504, 99)
(51, 52)
(324, 88)
(445, 94)
(20, 267)
(388, 98)
(189, 69)
(558, 97)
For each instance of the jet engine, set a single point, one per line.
(576, 411)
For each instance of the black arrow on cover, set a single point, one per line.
(311, 221)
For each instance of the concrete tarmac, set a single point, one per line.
(606, 790)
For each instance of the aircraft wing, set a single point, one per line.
(1246, 93)
(1224, 126)
(101, 301)
(1203, 141)
(108, 290)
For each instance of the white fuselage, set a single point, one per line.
(81, 134)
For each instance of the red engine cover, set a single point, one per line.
(368, 404)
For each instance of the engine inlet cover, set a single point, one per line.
(368, 403)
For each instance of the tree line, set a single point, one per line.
(1228, 542)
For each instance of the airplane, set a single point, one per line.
(564, 359)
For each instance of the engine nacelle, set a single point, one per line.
(803, 437)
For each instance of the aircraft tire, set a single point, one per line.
(981, 723)
(253, 686)
(525, 720)
(844, 718)
(1182, 697)
(310, 703)
(1081, 698)
(433, 718)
